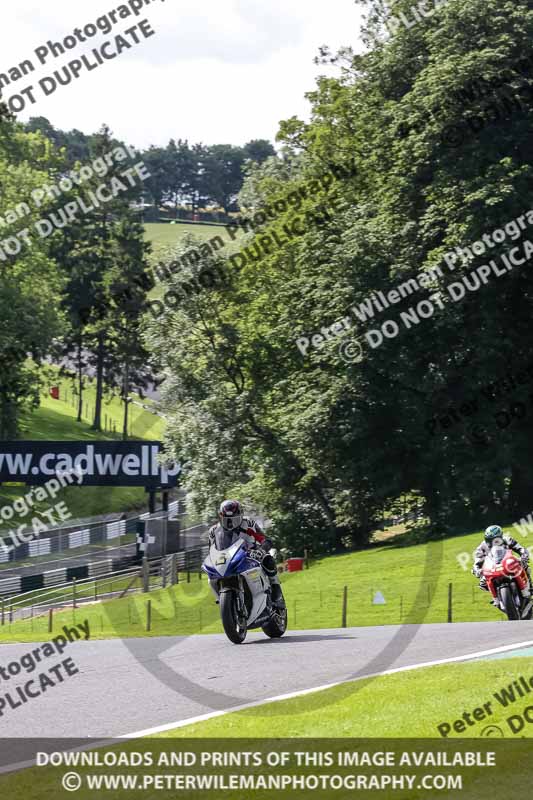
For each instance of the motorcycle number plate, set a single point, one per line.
(220, 561)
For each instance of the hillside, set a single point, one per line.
(413, 580)
(56, 420)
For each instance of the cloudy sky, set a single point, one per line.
(215, 70)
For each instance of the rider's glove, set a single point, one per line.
(525, 557)
(477, 572)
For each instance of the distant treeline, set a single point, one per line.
(195, 175)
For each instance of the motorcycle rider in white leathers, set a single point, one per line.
(232, 520)
(494, 536)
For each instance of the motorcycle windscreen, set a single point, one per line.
(224, 539)
(498, 552)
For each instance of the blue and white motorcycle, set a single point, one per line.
(242, 589)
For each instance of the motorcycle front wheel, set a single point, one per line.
(507, 601)
(235, 631)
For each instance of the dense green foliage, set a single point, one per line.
(76, 292)
(427, 135)
(322, 446)
(30, 283)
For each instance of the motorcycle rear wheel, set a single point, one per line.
(234, 630)
(277, 624)
(507, 601)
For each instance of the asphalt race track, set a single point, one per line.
(126, 687)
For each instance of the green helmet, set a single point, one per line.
(493, 532)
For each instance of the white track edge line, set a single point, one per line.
(302, 692)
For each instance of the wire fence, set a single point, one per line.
(185, 604)
(150, 576)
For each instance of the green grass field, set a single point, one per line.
(414, 582)
(405, 705)
(164, 235)
(56, 420)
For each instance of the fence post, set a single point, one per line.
(344, 606)
(3, 611)
(174, 569)
(146, 575)
(11, 612)
(149, 615)
(95, 589)
(50, 619)
(73, 592)
(164, 574)
(450, 602)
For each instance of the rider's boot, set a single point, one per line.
(269, 566)
(275, 592)
(526, 593)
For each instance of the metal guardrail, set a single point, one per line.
(152, 574)
(60, 541)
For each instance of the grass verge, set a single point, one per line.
(414, 582)
(405, 705)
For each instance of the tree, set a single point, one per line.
(30, 281)
(128, 285)
(103, 254)
(258, 150)
(158, 165)
(183, 169)
(222, 174)
(325, 446)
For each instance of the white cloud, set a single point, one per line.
(216, 71)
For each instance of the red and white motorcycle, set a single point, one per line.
(507, 579)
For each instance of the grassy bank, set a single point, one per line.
(405, 707)
(414, 582)
(56, 420)
(409, 705)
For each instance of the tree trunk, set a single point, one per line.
(125, 420)
(97, 424)
(8, 417)
(80, 379)
(126, 401)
